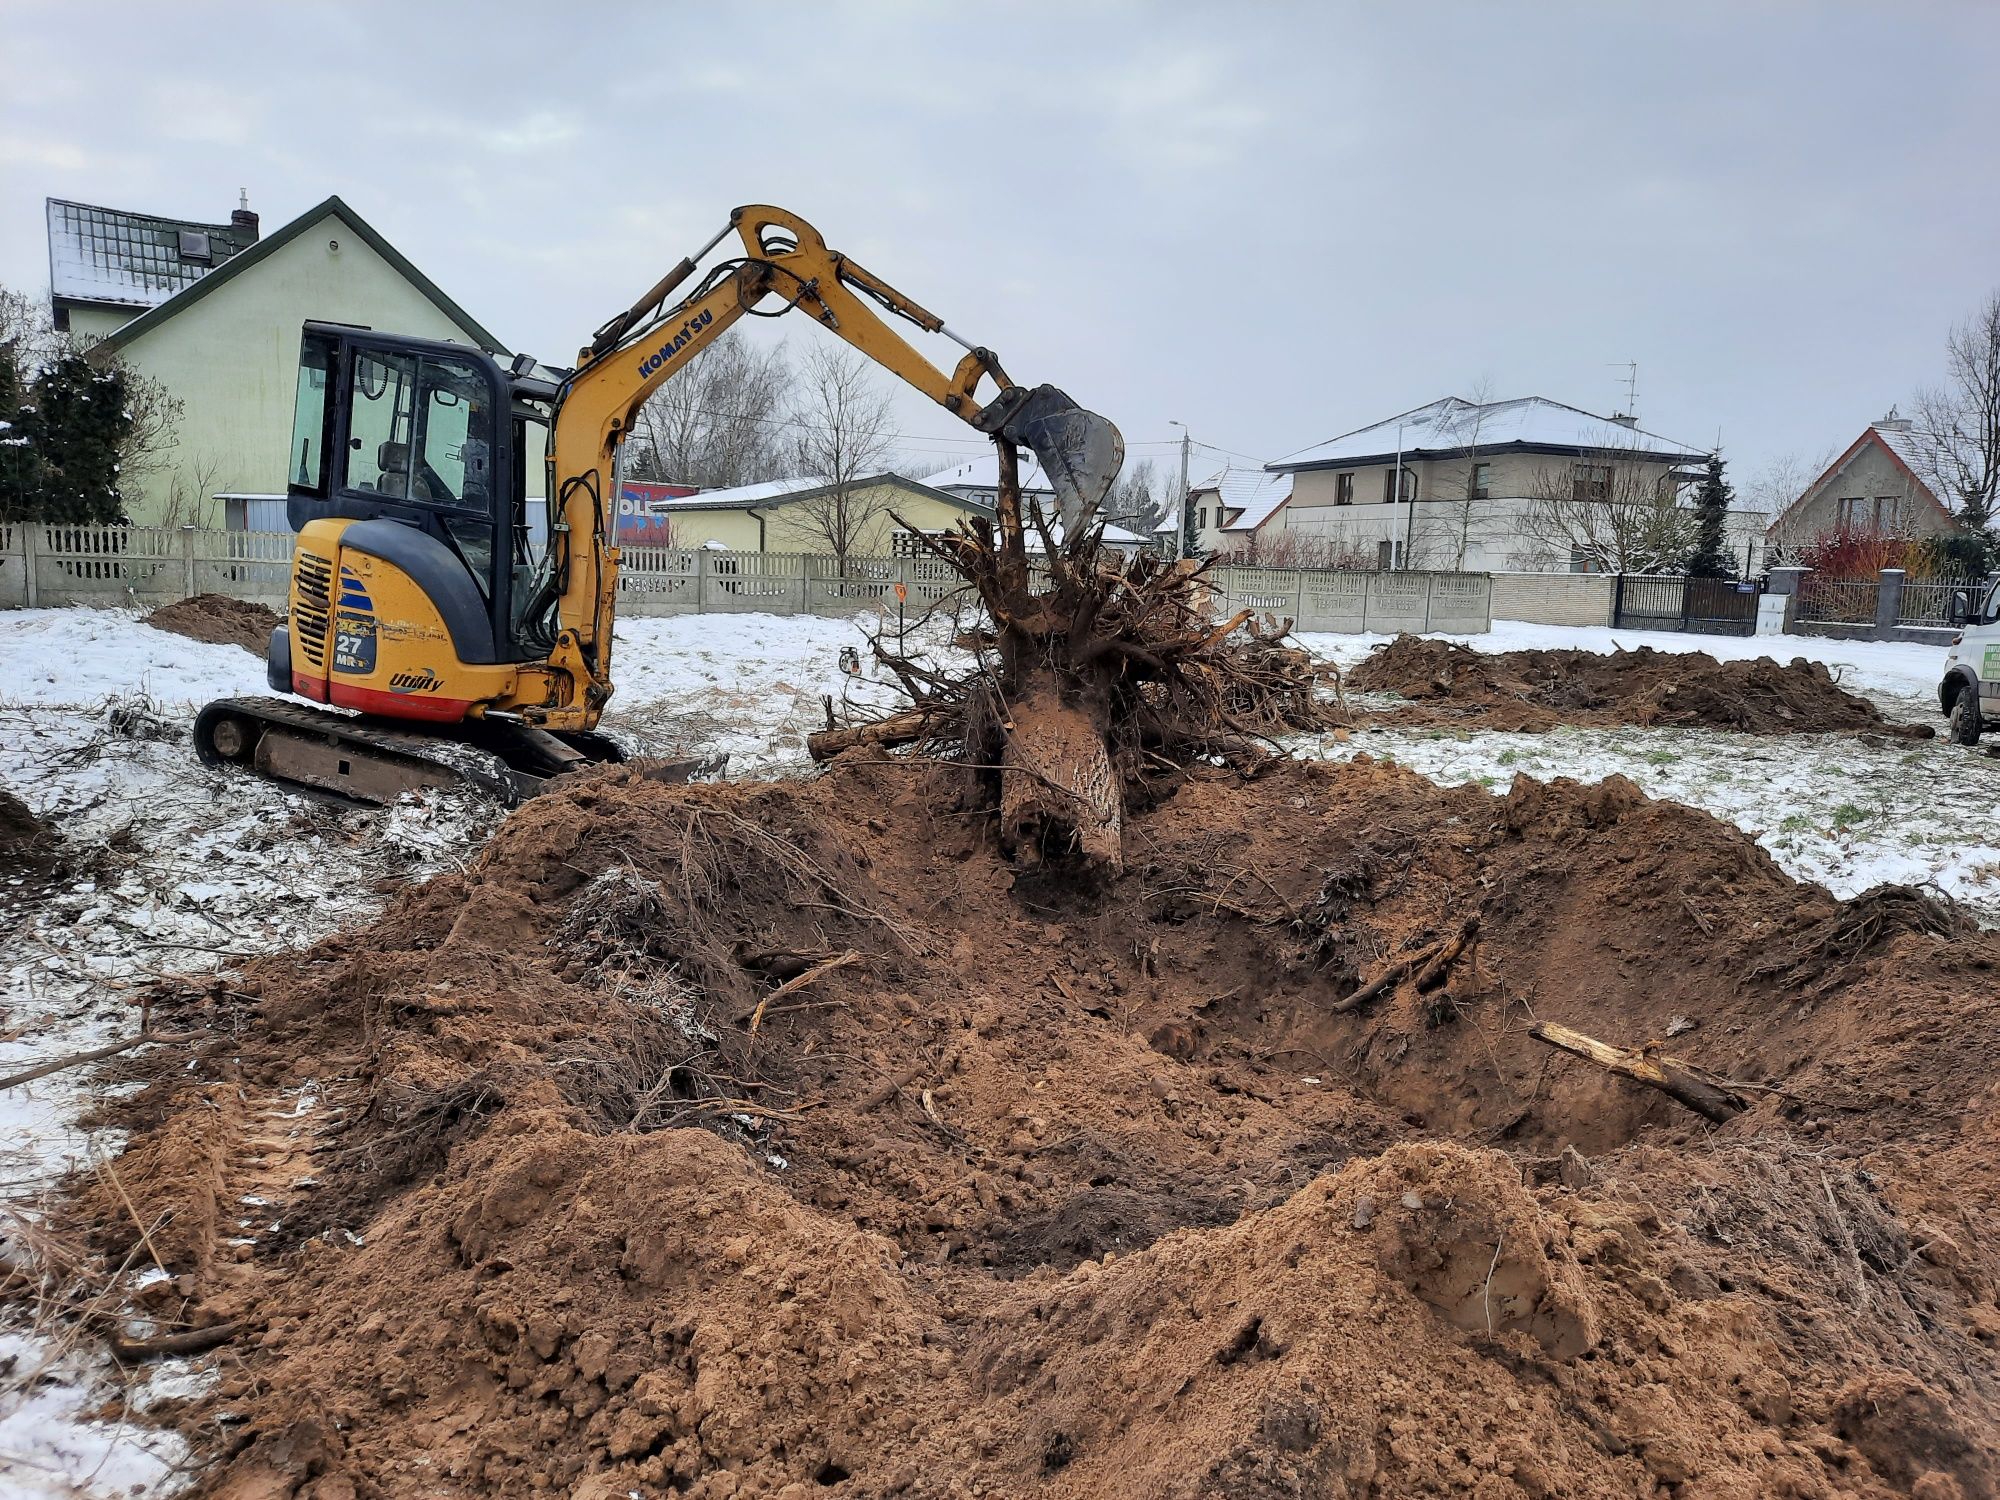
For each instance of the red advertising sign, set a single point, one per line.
(643, 519)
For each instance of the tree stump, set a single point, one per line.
(1060, 797)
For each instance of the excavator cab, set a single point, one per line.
(431, 452)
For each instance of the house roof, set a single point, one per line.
(1914, 452)
(237, 264)
(133, 260)
(1253, 493)
(1918, 452)
(775, 492)
(771, 493)
(1454, 428)
(983, 473)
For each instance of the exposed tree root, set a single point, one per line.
(1093, 676)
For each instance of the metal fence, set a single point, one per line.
(128, 565)
(1929, 602)
(1837, 601)
(1704, 606)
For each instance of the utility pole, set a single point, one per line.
(1410, 519)
(1186, 548)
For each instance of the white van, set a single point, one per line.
(1970, 692)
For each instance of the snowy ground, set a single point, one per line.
(191, 868)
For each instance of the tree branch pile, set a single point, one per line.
(1094, 676)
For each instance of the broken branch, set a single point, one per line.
(1709, 1096)
(792, 986)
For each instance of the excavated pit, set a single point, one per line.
(1531, 691)
(770, 1140)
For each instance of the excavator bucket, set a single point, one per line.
(1081, 452)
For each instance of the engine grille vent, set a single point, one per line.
(312, 580)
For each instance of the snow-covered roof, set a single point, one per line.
(737, 496)
(1452, 428)
(133, 260)
(1252, 493)
(1922, 452)
(983, 474)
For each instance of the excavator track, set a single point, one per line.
(373, 762)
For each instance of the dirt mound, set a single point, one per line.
(31, 856)
(1535, 690)
(782, 1140)
(219, 620)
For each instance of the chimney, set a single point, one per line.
(1624, 421)
(242, 217)
(1893, 423)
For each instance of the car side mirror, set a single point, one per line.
(1961, 606)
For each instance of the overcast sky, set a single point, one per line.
(1271, 222)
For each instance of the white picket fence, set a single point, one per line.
(134, 565)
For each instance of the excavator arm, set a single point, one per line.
(784, 260)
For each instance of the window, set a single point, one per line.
(1888, 515)
(1343, 489)
(1849, 512)
(1385, 555)
(1389, 485)
(1201, 519)
(194, 246)
(378, 432)
(455, 457)
(309, 414)
(1590, 482)
(1481, 486)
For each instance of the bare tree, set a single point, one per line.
(1335, 549)
(1138, 503)
(191, 496)
(1781, 480)
(840, 434)
(1609, 510)
(721, 421)
(1961, 418)
(1457, 514)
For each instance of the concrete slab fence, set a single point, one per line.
(44, 566)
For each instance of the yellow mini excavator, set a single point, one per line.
(442, 646)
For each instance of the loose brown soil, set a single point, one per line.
(1064, 1193)
(31, 856)
(1535, 690)
(219, 620)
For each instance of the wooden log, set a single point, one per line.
(192, 1341)
(898, 729)
(1700, 1090)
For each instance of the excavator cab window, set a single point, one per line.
(413, 431)
(312, 416)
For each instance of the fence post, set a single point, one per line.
(1430, 593)
(703, 560)
(1617, 598)
(31, 561)
(1787, 583)
(1888, 602)
(187, 562)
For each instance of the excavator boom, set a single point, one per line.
(418, 597)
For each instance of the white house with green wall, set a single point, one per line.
(225, 343)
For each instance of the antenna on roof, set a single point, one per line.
(1631, 384)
